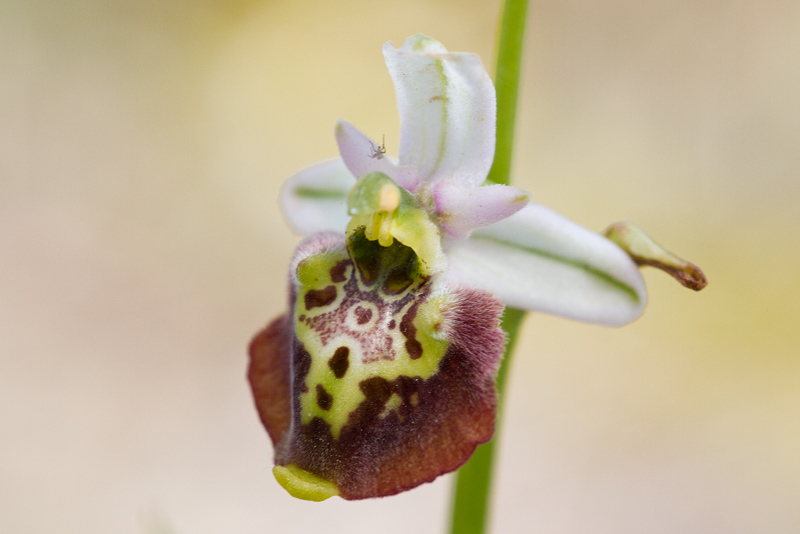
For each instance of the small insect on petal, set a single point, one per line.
(377, 152)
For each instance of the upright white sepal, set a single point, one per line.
(538, 260)
(447, 111)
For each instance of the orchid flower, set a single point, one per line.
(381, 375)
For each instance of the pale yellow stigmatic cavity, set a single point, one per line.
(388, 212)
(302, 484)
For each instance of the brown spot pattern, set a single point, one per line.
(414, 349)
(434, 428)
(408, 329)
(302, 364)
(363, 315)
(339, 362)
(324, 399)
(338, 270)
(320, 297)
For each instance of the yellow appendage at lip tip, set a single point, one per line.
(304, 485)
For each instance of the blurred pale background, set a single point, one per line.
(142, 146)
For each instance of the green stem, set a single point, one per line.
(473, 481)
(472, 486)
(506, 82)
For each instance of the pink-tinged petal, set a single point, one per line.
(461, 209)
(539, 260)
(390, 374)
(447, 110)
(363, 156)
(315, 199)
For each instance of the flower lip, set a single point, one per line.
(374, 353)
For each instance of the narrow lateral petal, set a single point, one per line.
(315, 199)
(363, 156)
(539, 260)
(447, 111)
(462, 209)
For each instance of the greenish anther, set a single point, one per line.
(388, 212)
(373, 193)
